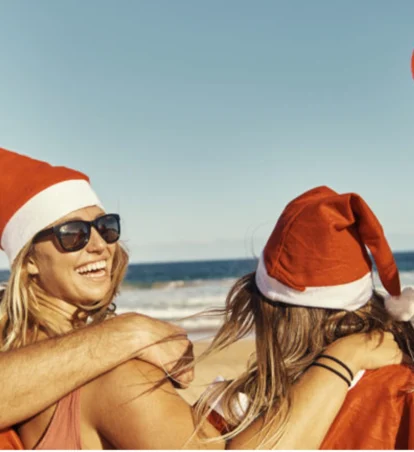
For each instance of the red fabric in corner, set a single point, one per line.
(31, 177)
(378, 413)
(9, 440)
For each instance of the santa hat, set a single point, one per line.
(316, 256)
(35, 194)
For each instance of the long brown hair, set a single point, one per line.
(288, 338)
(21, 313)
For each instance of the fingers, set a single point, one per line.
(180, 351)
(184, 379)
(189, 353)
(181, 369)
(178, 330)
(168, 347)
(378, 338)
(186, 362)
(399, 357)
(389, 346)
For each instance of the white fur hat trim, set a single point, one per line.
(402, 307)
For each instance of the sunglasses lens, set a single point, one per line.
(109, 228)
(74, 236)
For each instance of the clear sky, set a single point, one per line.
(200, 120)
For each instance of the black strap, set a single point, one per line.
(334, 371)
(338, 361)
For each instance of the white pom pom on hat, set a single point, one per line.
(317, 256)
(402, 307)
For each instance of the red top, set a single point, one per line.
(9, 440)
(378, 413)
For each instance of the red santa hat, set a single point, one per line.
(317, 256)
(35, 194)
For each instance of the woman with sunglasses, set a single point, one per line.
(66, 267)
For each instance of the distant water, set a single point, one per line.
(171, 291)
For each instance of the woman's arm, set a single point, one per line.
(319, 395)
(124, 409)
(34, 377)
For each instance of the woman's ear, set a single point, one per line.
(32, 267)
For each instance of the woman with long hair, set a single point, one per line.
(313, 285)
(66, 267)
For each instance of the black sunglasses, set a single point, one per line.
(74, 235)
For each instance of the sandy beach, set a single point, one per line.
(228, 363)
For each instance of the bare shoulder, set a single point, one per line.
(136, 407)
(141, 374)
(127, 383)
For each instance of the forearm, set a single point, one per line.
(34, 377)
(317, 399)
(319, 394)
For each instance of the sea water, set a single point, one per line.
(177, 290)
(173, 291)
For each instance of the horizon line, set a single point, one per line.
(195, 260)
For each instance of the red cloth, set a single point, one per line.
(23, 178)
(319, 241)
(9, 440)
(378, 413)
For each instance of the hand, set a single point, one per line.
(367, 351)
(162, 344)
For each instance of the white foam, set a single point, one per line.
(174, 301)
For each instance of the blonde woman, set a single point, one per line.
(66, 267)
(313, 285)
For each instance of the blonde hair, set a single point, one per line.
(288, 338)
(21, 313)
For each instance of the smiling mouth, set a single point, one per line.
(93, 270)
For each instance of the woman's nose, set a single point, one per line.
(96, 242)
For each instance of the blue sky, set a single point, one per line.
(200, 120)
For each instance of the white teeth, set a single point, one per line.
(92, 267)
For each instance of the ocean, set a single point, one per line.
(173, 291)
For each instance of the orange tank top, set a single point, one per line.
(9, 440)
(63, 432)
